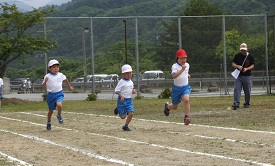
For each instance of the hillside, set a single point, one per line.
(109, 33)
(156, 7)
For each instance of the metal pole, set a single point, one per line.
(137, 59)
(45, 54)
(84, 57)
(224, 56)
(179, 29)
(266, 54)
(92, 55)
(125, 39)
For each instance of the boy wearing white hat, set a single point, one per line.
(125, 89)
(53, 84)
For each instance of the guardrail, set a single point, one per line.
(260, 80)
(170, 81)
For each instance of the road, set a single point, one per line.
(108, 95)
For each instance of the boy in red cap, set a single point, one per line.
(181, 87)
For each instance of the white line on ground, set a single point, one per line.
(153, 145)
(85, 152)
(224, 139)
(197, 125)
(200, 136)
(15, 159)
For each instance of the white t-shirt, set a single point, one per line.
(55, 81)
(125, 87)
(182, 79)
(1, 82)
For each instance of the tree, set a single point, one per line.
(255, 43)
(200, 36)
(16, 41)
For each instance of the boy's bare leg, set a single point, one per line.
(59, 107)
(129, 118)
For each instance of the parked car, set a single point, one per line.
(153, 75)
(37, 83)
(98, 77)
(78, 82)
(110, 80)
(80, 79)
(135, 75)
(17, 83)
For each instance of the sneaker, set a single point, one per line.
(166, 110)
(49, 126)
(126, 128)
(235, 107)
(246, 105)
(187, 120)
(116, 111)
(60, 119)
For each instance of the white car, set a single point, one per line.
(98, 77)
(153, 75)
(80, 79)
(110, 80)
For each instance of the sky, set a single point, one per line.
(36, 3)
(40, 3)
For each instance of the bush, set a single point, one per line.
(165, 94)
(92, 97)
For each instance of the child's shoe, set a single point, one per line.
(49, 126)
(166, 110)
(60, 119)
(116, 111)
(187, 120)
(126, 128)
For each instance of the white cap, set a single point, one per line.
(243, 46)
(53, 62)
(126, 68)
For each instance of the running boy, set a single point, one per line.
(53, 84)
(181, 87)
(125, 89)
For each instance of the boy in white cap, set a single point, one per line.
(53, 84)
(125, 89)
(181, 87)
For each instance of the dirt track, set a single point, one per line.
(88, 139)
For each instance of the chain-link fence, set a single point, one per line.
(104, 44)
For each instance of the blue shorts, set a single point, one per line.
(178, 92)
(53, 98)
(125, 107)
(1, 97)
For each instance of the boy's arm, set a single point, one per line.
(44, 84)
(2, 86)
(69, 85)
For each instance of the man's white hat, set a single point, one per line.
(53, 62)
(126, 68)
(243, 46)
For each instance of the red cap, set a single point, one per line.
(181, 53)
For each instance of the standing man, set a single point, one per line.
(1, 90)
(244, 62)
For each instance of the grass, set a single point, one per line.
(204, 110)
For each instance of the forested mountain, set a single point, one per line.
(157, 37)
(157, 7)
